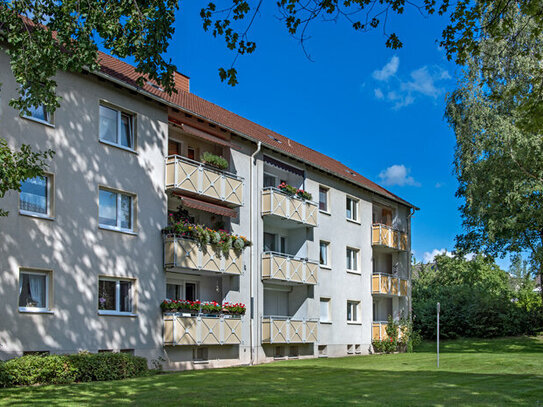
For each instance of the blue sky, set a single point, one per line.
(377, 110)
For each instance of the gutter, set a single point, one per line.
(256, 141)
(253, 263)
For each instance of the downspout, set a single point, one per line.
(410, 300)
(253, 264)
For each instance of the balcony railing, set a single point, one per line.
(279, 266)
(388, 284)
(387, 236)
(199, 179)
(189, 254)
(288, 330)
(201, 330)
(378, 330)
(277, 203)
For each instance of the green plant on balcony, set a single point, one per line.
(214, 160)
(293, 191)
(400, 337)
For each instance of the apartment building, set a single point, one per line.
(120, 221)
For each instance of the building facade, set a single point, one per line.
(87, 255)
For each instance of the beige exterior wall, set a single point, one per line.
(76, 251)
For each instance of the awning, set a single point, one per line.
(283, 166)
(206, 206)
(193, 131)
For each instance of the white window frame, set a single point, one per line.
(267, 174)
(118, 228)
(327, 193)
(354, 208)
(49, 117)
(47, 274)
(117, 281)
(356, 258)
(119, 112)
(183, 284)
(355, 310)
(50, 199)
(328, 263)
(328, 301)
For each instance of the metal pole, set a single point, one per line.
(438, 335)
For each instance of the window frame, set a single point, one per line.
(328, 302)
(355, 258)
(327, 195)
(117, 281)
(328, 264)
(48, 299)
(133, 208)
(50, 190)
(120, 111)
(267, 174)
(183, 285)
(355, 309)
(354, 209)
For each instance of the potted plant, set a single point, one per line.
(214, 160)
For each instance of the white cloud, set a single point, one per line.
(388, 70)
(397, 175)
(422, 82)
(378, 93)
(439, 184)
(428, 257)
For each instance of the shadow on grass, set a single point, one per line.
(279, 385)
(527, 344)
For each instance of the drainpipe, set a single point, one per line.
(409, 301)
(253, 264)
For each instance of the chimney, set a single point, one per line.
(182, 82)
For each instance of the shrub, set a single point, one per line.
(64, 369)
(40, 369)
(214, 160)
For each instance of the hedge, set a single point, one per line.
(64, 369)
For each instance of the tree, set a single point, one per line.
(499, 147)
(17, 166)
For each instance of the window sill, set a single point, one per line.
(35, 215)
(324, 266)
(112, 229)
(326, 322)
(117, 314)
(201, 362)
(35, 311)
(356, 222)
(353, 323)
(120, 147)
(33, 119)
(325, 212)
(358, 273)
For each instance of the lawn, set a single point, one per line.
(473, 372)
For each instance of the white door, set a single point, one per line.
(275, 303)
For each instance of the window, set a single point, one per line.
(35, 196)
(352, 209)
(33, 290)
(199, 354)
(352, 259)
(323, 253)
(115, 296)
(323, 351)
(39, 113)
(116, 127)
(350, 348)
(191, 153)
(352, 311)
(293, 351)
(116, 210)
(270, 180)
(323, 199)
(325, 310)
(174, 147)
(182, 291)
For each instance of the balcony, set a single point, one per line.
(197, 179)
(388, 237)
(388, 285)
(283, 267)
(201, 330)
(189, 254)
(276, 203)
(378, 330)
(287, 330)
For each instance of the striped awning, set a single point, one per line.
(207, 207)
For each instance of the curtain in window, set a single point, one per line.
(37, 290)
(34, 195)
(323, 254)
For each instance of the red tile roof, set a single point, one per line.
(191, 103)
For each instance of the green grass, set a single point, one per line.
(495, 372)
